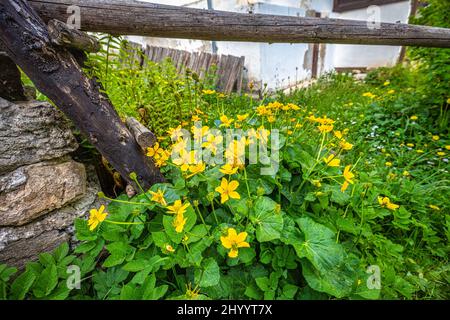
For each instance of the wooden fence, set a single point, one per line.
(227, 70)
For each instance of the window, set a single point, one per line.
(347, 5)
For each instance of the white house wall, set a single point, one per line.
(280, 65)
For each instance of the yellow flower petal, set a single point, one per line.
(233, 253)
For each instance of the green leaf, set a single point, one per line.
(82, 231)
(197, 233)
(85, 247)
(253, 292)
(173, 235)
(326, 269)
(209, 274)
(263, 283)
(6, 272)
(267, 218)
(61, 252)
(46, 282)
(46, 259)
(22, 285)
(61, 292)
(119, 252)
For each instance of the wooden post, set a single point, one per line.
(56, 74)
(148, 19)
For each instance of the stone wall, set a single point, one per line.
(42, 189)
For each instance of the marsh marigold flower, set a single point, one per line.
(414, 118)
(178, 222)
(178, 207)
(348, 176)
(96, 216)
(228, 169)
(234, 241)
(196, 168)
(226, 122)
(332, 161)
(242, 117)
(435, 137)
(209, 92)
(345, 145)
(153, 151)
(385, 202)
(158, 197)
(432, 206)
(227, 190)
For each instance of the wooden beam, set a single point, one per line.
(56, 74)
(146, 19)
(144, 137)
(62, 35)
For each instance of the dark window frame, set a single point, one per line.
(348, 5)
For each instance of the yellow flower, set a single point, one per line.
(435, 137)
(178, 222)
(293, 106)
(199, 132)
(226, 122)
(325, 128)
(346, 145)
(195, 118)
(242, 117)
(420, 151)
(338, 134)
(441, 154)
(414, 117)
(227, 190)
(208, 92)
(406, 173)
(169, 248)
(385, 202)
(96, 216)
(432, 206)
(316, 183)
(331, 161)
(158, 197)
(178, 208)
(271, 119)
(344, 186)
(411, 145)
(369, 95)
(151, 152)
(262, 110)
(391, 91)
(348, 175)
(212, 142)
(447, 147)
(196, 168)
(289, 132)
(234, 241)
(186, 158)
(388, 164)
(386, 83)
(228, 169)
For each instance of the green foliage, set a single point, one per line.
(154, 93)
(307, 231)
(434, 63)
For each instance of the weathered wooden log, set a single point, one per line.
(56, 74)
(144, 137)
(10, 84)
(147, 19)
(64, 36)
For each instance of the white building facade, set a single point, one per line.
(284, 65)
